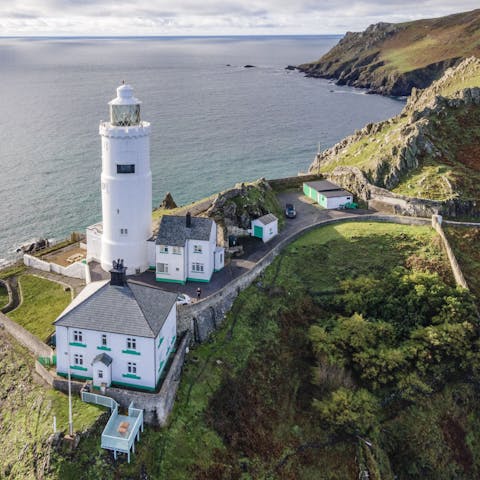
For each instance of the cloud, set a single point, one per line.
(194, 17)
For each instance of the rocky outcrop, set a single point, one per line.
(392, 59)
(168, 203)
(439, 127)
(234, 209)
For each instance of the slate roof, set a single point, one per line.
(132, 309)
(268, 218)
(336, 193)
(173, 230)
(323, 186)
(104, 358)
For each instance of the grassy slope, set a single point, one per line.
(243, 407)
(42, 302)
(413, 45)
(26, 415)
(423, 42)
(456, 134)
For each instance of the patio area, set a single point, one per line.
(121, 431)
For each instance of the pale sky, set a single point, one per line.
(212, 17)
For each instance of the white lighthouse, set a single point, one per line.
(126, 184)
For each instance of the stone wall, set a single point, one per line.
(37, 347)
(457, 271)
(293, 182)
(6, 308)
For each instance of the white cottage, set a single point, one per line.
(265, 227)
(186, 249)
(117, 332)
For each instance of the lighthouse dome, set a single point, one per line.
(125, 108)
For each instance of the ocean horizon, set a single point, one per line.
(214, 122)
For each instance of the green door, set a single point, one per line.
(257, 231)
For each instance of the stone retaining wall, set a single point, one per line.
(156, 406)
(36, 346)
(204, 317)
(457, 271)
(6, 308)
(293, 182)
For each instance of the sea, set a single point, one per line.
(214, 122)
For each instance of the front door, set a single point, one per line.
(257, 231)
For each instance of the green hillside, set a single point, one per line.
(394, 58)
(431, 150)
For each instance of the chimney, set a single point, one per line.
(188, 220)
(118, 274)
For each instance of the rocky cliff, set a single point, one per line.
(391, 59)
(430, 151)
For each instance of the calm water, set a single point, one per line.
(212, 124)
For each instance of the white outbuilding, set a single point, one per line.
(117, 332)
(327, 194)
(265, 227)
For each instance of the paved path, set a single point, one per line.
(308, 214)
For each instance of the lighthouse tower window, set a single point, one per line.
(127, 168)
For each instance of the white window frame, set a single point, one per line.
(177, 250)
(197, 249)
(78, 359)
(104, 340)
(131, 343)
(124, 231)
(132, 368)
(164, 266)
(100, 373)
(78, 336)
(163, 248)
(198, 267)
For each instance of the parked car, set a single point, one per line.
(290, 211)
(183, 299)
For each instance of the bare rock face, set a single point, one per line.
(439, 127)
(168, 203)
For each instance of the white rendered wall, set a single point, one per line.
(176, 264)
(116, 344)
(151, 247)
(206, 257)
(219, 261)
(268, 231)
(126, 197)
(94, 243)
(165, 347)
(335, 202)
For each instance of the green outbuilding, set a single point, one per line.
(327, 194)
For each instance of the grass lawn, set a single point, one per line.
(26, 411)
(42, 302)
(244, 402)
(3, 296)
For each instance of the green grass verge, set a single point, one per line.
(43, 301)
(27, 410)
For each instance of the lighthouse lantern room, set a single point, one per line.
(126, 185)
